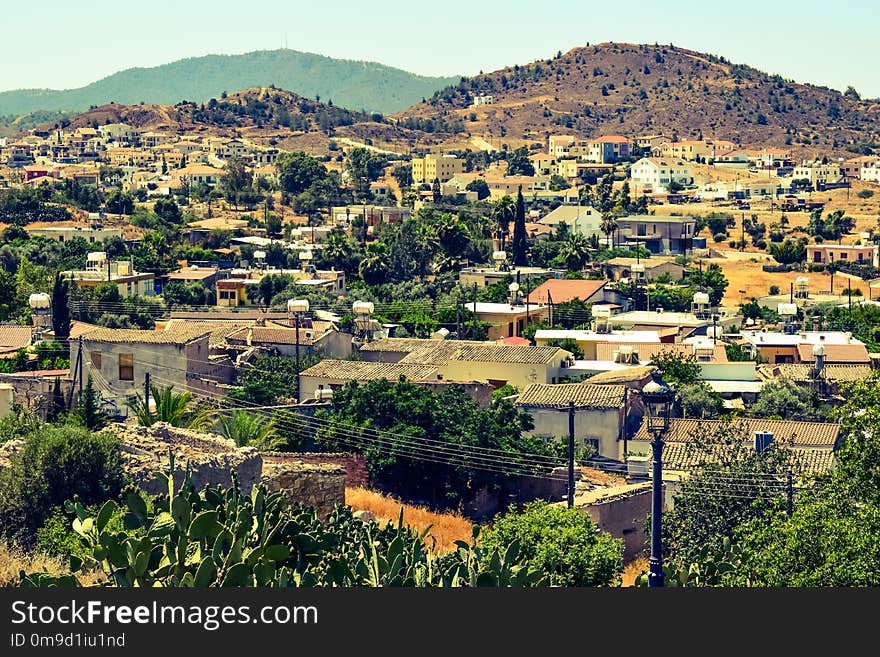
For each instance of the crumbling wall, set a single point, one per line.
(211, 460)
(355, 465)
(318, 486)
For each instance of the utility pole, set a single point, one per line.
(474, 323)
(296, 321)
(79, 362)
(789, 496)
(550, 304)
(570, 454)
(76, 368)
(849, 292)
(147, 392)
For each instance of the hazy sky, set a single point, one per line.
(64, 44)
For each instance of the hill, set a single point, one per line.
(264, 114)
(616, 88)
(352, 84)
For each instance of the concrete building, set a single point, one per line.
(581, 220)
(507, 320)
(61, 232)
(656, 174)
(817, 173)
(435, 167)
(101, 270)
(600, 413)
(778, 347)
(659, 234)
(118, 359)
(825, 254)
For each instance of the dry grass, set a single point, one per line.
(445, 527)
(633, 569)
(13, 560)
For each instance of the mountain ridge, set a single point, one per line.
(354, 84)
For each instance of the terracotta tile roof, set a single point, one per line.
(501, 353)
(628, 375)
(398, 345)
(798, 434)
(648, 350)
(677, 456)
(563, 290)
(138, 336)
(354, 370)
(220, 330)
(268, 335)
(803, 373)
(836, 353)
(78, 328)
(611, 139)
(584, 395)
(515, 341)
(15, 337)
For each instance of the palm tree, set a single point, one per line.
(575, 251)
(252, 429)
(375, 264)
(171, 407)
(504, 213)
(608, 226)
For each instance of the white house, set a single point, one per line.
(656, 173)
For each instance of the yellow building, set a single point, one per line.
(440, 167)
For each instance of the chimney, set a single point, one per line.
(763, 440)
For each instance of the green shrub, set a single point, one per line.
(719, 237)
(561, 542)
(53, 465)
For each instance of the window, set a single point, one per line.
(842, 256)
(126, 367)
(96, 360)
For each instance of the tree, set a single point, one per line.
(785, 400)
(711, 279)
(435, 190)
(608, 225)
(518, 163)
(479, 186)
(363, 167)
(298, 171)
(253, 429)
(273, 224)
(54, 463)
(61, 307)
(413, 413)
(558, 183)
(57, 405)
(729, 483)
(697, 400)
(237, 181)
(177, 293)
(520, 245)
(789, 252)
(168, 211)
(677, 369)
(268, 380)
(403, 175)
(504, 212)
(373, 268)
(90, 409)
(569, 344)
(174, 408)
(564, 543)
(575, 251)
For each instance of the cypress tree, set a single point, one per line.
(60, 307)
(56, 404)
(520, 246)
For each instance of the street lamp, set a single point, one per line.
(296, 307)
(657, 398)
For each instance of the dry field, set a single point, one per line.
(13, 560)
(446, 528)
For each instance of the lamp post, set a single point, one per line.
(657, 398)
(296, 307)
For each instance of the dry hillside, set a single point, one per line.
(616, 88)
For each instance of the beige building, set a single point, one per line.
(333, 374)
(435, 167)
(100, 270)
(119, 359)
(507, 320)
(600, 413)
(61, 232)
(817, 173)
(468, 361)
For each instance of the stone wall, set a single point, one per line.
(211, 459)
(318, 486)
(621, 511)
(355, 465)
